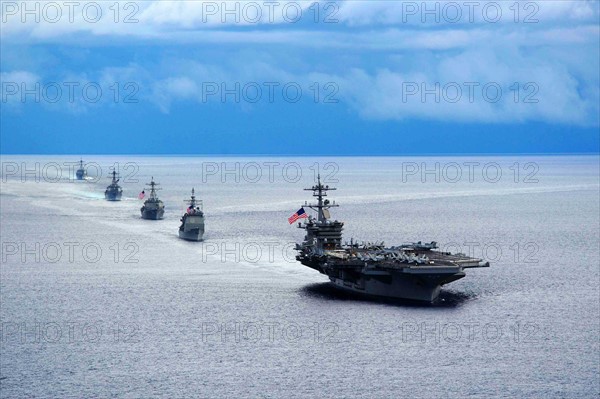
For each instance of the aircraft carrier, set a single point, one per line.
(413, 271)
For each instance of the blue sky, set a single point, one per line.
(376, 78)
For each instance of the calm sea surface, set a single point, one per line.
(96, 302)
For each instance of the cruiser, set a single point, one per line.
(192, 222)
(410, 271)
(80, 174)
(113, 191)
(153, 208)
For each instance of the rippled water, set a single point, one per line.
(96, 302)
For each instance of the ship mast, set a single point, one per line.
(193, 200)
(153, 188)
(193, 203)
(322, 206)
(114, 177)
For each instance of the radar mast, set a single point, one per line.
(322, 206)
(114, 177)
(153, 189)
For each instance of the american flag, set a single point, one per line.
(298, 215)
(142, 194)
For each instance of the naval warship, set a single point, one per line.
(80, 174)
(153, 208)
(192, 222)
(113, 191)
(413, 272)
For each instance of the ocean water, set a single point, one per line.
(96, 302)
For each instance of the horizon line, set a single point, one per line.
(259, 155)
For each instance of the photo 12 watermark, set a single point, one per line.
(67, 332)
(55, 172)
(268, 171)
(268, 92)
(469, 172)
(469, 332)
(469, 92)
(267, 332)
(461, 12)
(70, 12)
(69, 92)
(68, 252)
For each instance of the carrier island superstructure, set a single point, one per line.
(415, 271)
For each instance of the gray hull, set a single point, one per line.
(153, 214)
(413, 284)
(112, 196)
(191, 235)
(397, 289)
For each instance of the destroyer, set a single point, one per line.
(153, 208)
(409, 271)
(80, 174)
(113, 192)
(192, 222)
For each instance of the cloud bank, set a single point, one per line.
(395, 61)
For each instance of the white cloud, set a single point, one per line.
(174, 88)
(533, 87)
(243, 21)
(13, 83)
(559, 54)
(562, 90)
(531, 90)
(19, 77)
(453, 13)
